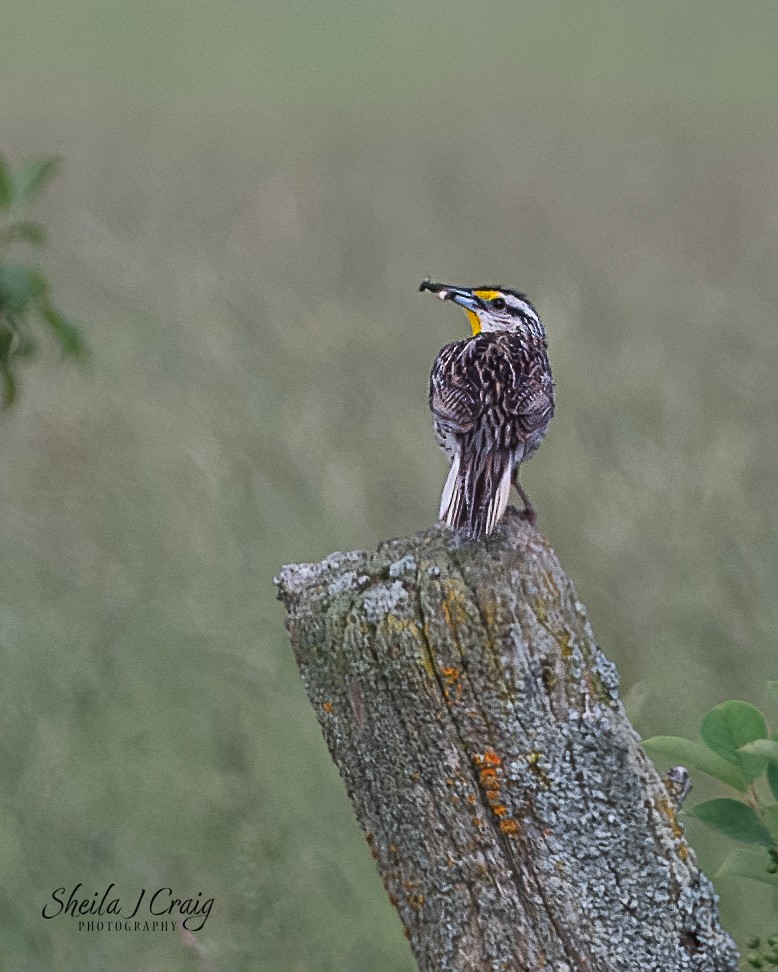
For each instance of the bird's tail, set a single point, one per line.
(476, 491)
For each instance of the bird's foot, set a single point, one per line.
(529, 515)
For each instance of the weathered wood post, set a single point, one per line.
(514, 818)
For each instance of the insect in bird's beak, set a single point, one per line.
(459, 295)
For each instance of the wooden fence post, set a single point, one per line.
(514, 818)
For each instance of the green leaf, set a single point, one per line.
(763, 747)
(5, 183)
(747, 863)
(66, 331)
(20, 287)
(689, 753)
(30, 181)
(29, 232)
(733, 818)
(731, 725)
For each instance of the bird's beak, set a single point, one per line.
(459, 295)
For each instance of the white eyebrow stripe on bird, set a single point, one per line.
(517, 304)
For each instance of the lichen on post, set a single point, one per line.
(515, 820)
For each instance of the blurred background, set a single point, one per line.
(249, 197)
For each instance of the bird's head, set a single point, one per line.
(491, 308)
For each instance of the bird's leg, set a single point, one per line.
(528, 513)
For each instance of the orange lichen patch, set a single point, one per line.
(477, 822)
(327, 706)
(548, 832)
(450, 675)
(490, 773)
(472, 799)
(416, 901)
(489, 759)
(449, 782)
(683, 852)
(509, 827)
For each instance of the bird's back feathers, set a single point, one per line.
(492, 398)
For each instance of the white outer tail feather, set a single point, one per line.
(453, 497)
(451, 500)
(499, 501)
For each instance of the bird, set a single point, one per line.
(492, 400)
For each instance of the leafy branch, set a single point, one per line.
(24, 290)
(738, 750)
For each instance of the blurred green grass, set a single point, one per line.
(257, 395)
(369, 57)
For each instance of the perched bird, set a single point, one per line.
(492, 399)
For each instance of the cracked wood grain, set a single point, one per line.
(515, 820)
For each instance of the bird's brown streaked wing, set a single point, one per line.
(532, 403)
(453, 395)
